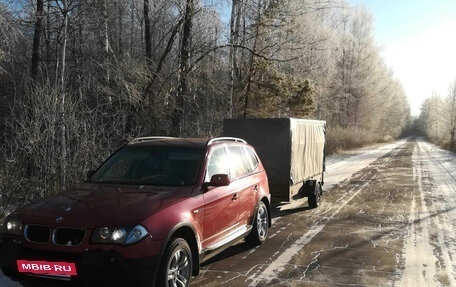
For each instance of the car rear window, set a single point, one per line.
(251, 157)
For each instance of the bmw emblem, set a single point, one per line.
(59, 219)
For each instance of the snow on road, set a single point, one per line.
(339, 168)
(429, 240)
(430, 247)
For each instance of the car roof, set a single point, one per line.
(183, 142)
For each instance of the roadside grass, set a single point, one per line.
(339, 139)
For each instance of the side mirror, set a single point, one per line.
(217, 180)
(220, 180)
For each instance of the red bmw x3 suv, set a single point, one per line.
(148, 216)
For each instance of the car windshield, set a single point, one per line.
(151, 165)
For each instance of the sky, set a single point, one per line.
(417, 39)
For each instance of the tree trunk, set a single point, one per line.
(63, 161)
(233, 41)
(183, 88)
(147, 32)
(252, 63)
(106, 36)
(452, 102)
(37, 40)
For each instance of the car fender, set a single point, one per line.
(267, 201)
(187, 231)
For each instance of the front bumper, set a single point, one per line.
(94, 267)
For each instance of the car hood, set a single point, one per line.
(92, 205)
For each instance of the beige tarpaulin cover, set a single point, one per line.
(307, 149)
(292, 150)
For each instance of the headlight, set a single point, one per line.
(119, 235)
(12, 226)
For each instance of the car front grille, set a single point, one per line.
(37, 233)
(63, 236)
(68, 236)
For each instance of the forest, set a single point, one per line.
(437, 119)
(80, 78)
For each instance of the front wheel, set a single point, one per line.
(176, 268)
(260, 228)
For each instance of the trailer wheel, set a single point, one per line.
(315, 196)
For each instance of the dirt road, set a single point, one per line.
(388, 218)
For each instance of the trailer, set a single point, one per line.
(293, 154)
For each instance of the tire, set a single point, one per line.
(260, 228)
(177, 265)
(315, 197)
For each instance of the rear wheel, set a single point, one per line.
(176, 268)
(260, 227)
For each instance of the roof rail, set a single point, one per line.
(220, 139)
(143, 139)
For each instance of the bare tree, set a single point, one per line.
(452, 113)
(147, 31)
(64, 9)
(433, 118)
(37, 39)
(173, 67)
(183, 89)
(235, 30)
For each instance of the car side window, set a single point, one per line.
(251, 157)
(217, 163)
(239, 164)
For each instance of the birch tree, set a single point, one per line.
(452, 114)
(433, 118)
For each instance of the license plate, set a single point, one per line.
(47, 268)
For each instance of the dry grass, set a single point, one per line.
(338, 139)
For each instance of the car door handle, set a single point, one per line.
(235, 196)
